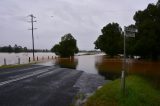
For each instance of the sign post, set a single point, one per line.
(128, 32)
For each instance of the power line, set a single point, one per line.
(32, 28)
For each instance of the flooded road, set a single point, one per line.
(111, 68)
(97, 64)
(100, 63)
(40, 85)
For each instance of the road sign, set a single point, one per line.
(130, 31)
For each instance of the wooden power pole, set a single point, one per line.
(32, 28)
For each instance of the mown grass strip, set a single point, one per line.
(139, 93)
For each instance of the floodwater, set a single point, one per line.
(12, 58)
(100, 63)
(111, 68)
(84, 62)
(96, 64)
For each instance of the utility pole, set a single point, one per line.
(32, 21)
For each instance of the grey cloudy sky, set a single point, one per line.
(84, 19)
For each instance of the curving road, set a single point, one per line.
(38, 85)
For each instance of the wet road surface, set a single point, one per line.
(39, 85)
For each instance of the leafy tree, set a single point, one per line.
(17, 49)
(10, 49)
(56, 49)
(111, 40)
(148, 37)
(25, 49)
(67, 47)
(158, 3)
(4, 49)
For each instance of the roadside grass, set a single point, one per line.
(15, 65)
(139, 93)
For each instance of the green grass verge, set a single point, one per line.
(139, 93)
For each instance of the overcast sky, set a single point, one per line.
(84, 19)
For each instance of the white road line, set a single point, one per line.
(23, 77)
(21, 70)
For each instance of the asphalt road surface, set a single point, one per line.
(39, 85)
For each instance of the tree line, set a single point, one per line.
(18, 49)
(145, 43)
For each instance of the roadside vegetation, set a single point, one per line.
(16, 65)
(139, 92)
(67, 46)
(145, 43)
(18, 49)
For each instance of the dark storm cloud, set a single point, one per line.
(83, 18)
